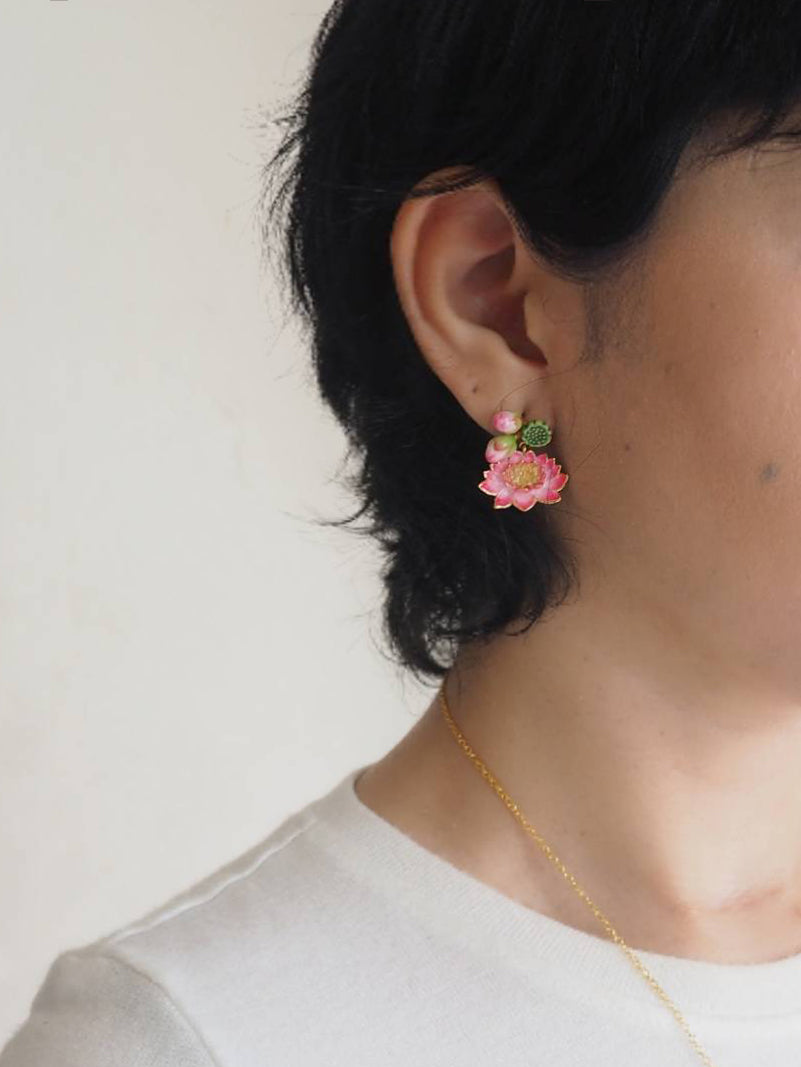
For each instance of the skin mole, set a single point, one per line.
(769, 472)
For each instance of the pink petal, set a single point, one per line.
(552, 487)
(493, 483)
(525, 499)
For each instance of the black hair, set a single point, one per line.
(580, 110)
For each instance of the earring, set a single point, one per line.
(517, 475)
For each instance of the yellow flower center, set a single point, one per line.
(523, 475)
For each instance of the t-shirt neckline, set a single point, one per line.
(502, 930)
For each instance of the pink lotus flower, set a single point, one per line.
(524, 479)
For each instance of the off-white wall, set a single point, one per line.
(185, 657)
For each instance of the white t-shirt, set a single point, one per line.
(339, 941)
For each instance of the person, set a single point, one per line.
(550, 255)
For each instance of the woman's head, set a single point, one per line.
(619, 254)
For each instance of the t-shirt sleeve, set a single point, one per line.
(95, 1010)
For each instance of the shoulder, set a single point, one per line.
(168, 986)
(93, 1008)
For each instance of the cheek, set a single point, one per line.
(727, 379)
(701, 436)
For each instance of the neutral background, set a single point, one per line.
(185, 656)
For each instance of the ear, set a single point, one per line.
(492, 322)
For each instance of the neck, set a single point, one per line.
(666, 782)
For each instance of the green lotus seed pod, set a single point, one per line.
(535, 433)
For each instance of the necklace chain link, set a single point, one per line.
(546, 848)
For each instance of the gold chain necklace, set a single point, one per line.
(510, 804)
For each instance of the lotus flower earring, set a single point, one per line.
(517, 475)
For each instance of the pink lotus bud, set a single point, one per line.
(507, 421)
(500, 447)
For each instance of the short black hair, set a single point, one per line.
(580, 112)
